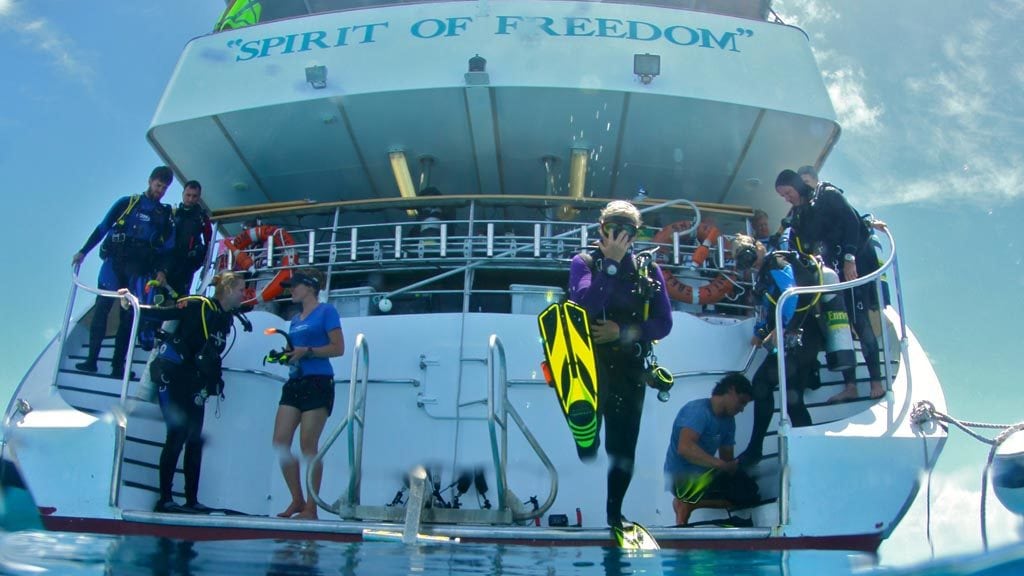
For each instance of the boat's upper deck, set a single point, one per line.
(685, 104)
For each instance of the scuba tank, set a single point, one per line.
(835, 326)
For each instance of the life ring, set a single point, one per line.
(707, 235)
(243, 261)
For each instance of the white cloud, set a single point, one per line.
(804, 12)
(955, 522)
(42, 35)
(850, 99)
(952, 115)
(48, 333)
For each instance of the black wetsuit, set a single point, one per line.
(187, 370)
(801, 361)
(828, 226)
(192, 237)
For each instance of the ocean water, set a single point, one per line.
(40, 552)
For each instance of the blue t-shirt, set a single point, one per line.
(714, 432)
(313, 331)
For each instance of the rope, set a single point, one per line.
(928, 497)
(925, 411)
(1009, 431)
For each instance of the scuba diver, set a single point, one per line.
(137, 235)
(193, 233)
(186, 372)
(628, 310)
(801, 340)
(824, 224)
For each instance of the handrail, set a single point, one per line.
(399, 203)
(784, 424)
(516, 250)
(254, 372)
(746, 367)
(119, 411)
(496, 359)
(356, 415)
(132, 299)
(414, 382)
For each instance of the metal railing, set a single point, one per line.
(795, 292)
(497, 388)
(118, 412)
(356, 416)
(76, 284)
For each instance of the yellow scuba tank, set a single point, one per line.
(835, 326)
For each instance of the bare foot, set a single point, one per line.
(848, 393)
(308, 513)
(877, 390)
(293, 509)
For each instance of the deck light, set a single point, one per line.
(477, 75)
(646, 66)
(317, 76)
(403, 178)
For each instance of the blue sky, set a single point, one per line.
(931, 101)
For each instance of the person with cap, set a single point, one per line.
(625, 318)
(824, 224)
(137, 236)
(307, 398)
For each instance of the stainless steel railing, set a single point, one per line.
(796, 291)
(356, 417)
(497, 389)
(118, 412)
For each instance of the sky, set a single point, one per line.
(930, 101)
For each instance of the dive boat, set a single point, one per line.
(325, 119)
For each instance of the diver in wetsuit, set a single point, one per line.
(623, 325)
(825, 225)
(801, 341)
(186, 372)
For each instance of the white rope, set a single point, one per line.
(925, 411)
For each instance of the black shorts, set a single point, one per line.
(309, 393)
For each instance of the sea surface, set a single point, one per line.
(39, 552)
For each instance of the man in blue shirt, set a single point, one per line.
(702, 429)
(137, 235)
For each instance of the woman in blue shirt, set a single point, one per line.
(308, 396)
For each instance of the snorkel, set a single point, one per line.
(278, 356)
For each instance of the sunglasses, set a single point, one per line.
(613, 229)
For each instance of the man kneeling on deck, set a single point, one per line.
(704, 427)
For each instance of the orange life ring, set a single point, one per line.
(258, 235)
(707, 236)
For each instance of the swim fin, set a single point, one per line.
(633, 536)
(569, 352)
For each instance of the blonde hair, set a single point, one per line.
(226, 281)
(622, 209)
(742, 240)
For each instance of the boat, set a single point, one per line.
(328, 119)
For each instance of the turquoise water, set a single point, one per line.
(38, 552)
